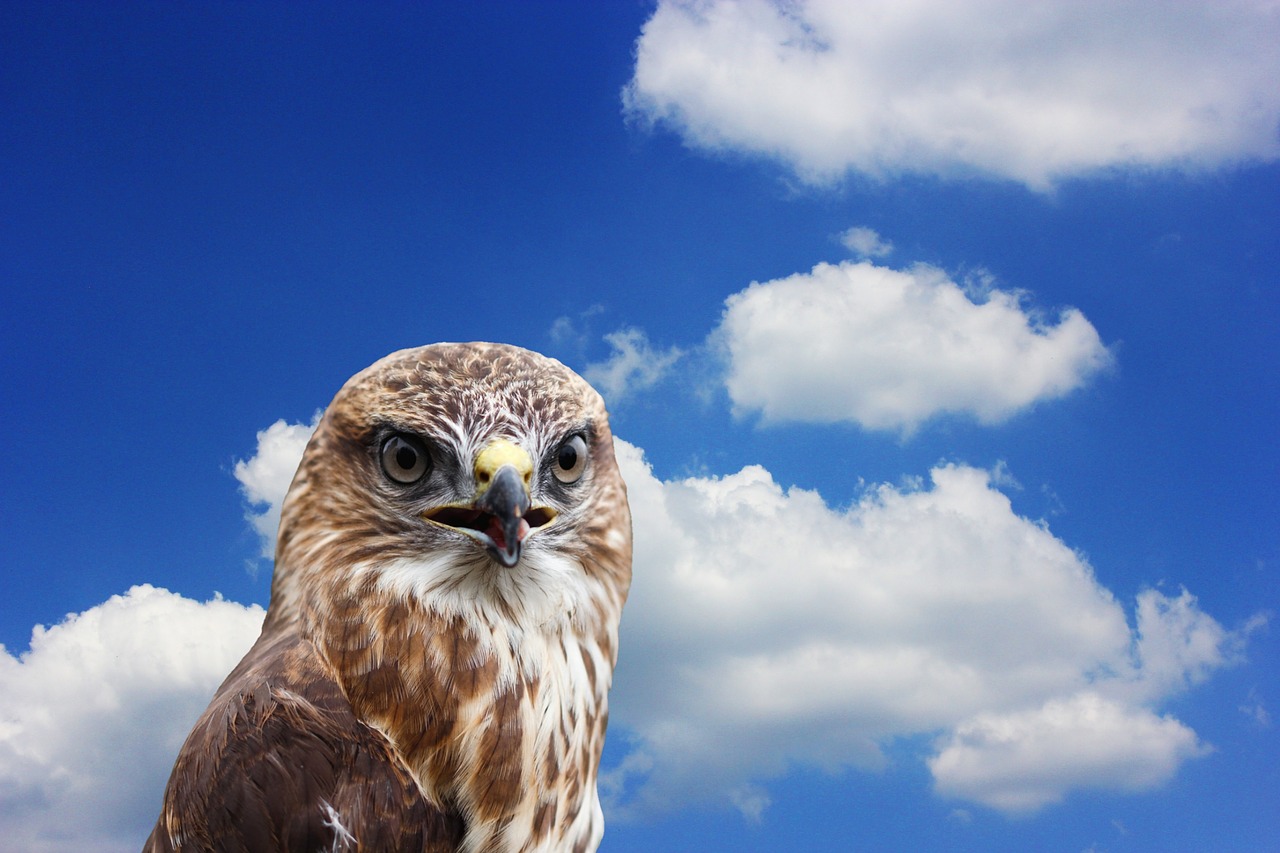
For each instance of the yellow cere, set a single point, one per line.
(498, 453)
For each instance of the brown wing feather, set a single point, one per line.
(278, 755)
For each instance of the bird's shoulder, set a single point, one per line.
(280, 761)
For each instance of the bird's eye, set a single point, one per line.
(571, 459)
(404, 459)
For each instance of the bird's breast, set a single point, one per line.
(508, 729)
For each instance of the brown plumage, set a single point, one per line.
(433, 671)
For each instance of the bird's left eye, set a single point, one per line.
(404, 459)
(571, 459)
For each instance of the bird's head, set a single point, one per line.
(459, 475)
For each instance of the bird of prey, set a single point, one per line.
(433, 670)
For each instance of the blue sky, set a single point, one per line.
(942, 341)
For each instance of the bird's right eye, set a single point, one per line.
(405, 459)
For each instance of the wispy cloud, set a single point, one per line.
(1032, 92)
(1254, 708)
(634, 365)
(866, 242)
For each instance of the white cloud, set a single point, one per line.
(1179, 645)
(1033, 92)
(265, 477)
(888, 349)
(1025, 760)
(866, 242)
(574, 333)
(1254, 708)
(766, 628)
(120, 685)
(634, 365)
(93, 714)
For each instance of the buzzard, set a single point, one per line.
(433, 670)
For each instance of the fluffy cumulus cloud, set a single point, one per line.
(767, 628)
(92, 715)
(1032, 92)
(888, 348)
(119, 686)
(265, 476)
(1021, 761)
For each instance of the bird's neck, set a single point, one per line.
(503, 722)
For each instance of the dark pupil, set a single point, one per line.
(568, 457)
(406, 458)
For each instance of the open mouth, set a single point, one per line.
(503, 540)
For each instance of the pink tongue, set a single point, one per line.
(495, 533)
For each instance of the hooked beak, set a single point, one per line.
(501, 517)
